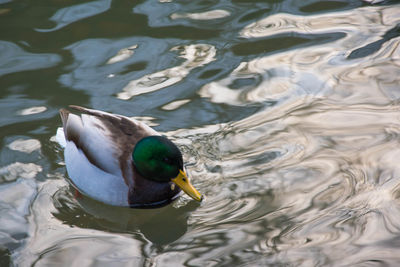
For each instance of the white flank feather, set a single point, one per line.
(96, 139)
(100, 185)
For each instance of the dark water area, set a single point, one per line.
(287, 113)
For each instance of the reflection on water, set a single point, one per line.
(160, 226)
(212, 14)
(286, 112)
(195, 55)
(15, 59)
(67, 15)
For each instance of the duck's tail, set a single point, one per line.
(64, 113)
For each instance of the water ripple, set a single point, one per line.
(330, 173)
(195, 56)
(25, 145)
(15, 59)
(71, 14)
(350, 21)
(15, 201)
(208, 15)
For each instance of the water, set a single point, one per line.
(287, 113)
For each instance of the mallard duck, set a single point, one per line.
(122, 161)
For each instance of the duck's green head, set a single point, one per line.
(158, 159)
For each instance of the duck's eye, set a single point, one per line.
(167, 160)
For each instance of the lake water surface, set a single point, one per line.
(287, 113)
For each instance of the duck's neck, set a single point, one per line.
(147, 194)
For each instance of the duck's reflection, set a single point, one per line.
(161, 225)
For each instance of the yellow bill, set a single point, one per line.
(183, 182)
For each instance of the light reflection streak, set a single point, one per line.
(195, 56)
